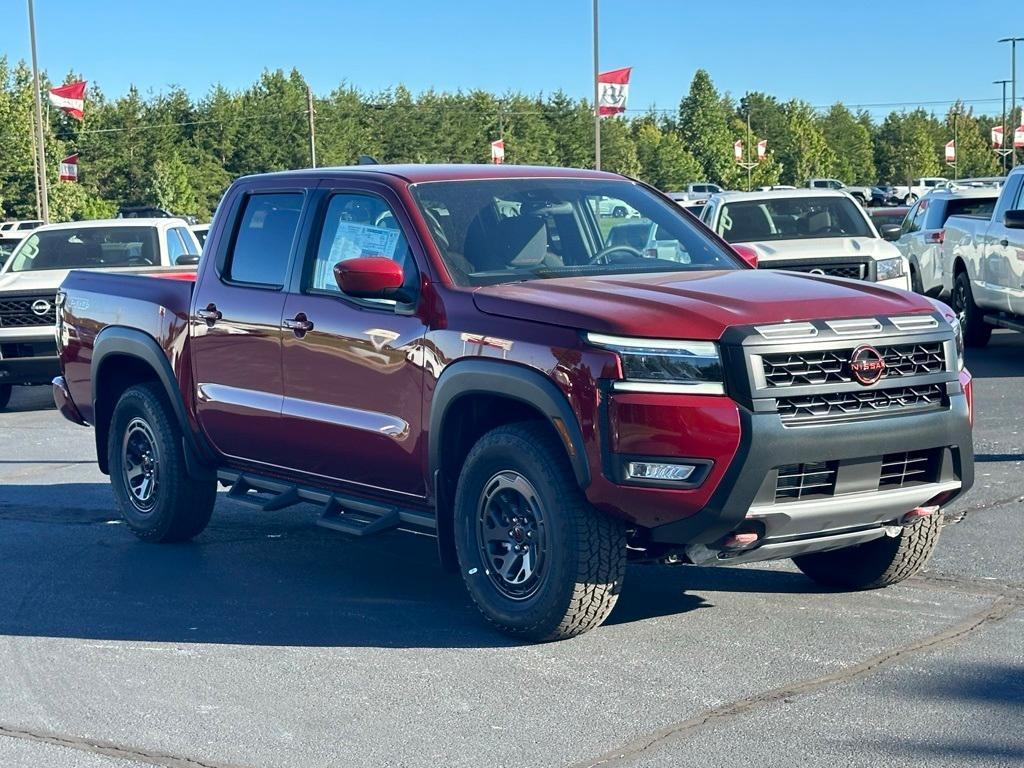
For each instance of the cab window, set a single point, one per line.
(263, 242)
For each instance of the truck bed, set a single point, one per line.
(155, 301)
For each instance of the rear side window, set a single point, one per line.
(264, 239)
(1008, 198)
(969, 207)
(175, 247)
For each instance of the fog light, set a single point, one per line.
(646, 470)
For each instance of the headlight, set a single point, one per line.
(958, 334)
(665, 365)
(889, 269)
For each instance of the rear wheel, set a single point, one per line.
(539, 562)
(976, 331)
(915, 280)
(5, 395)
(159, 500)
(619, 212)
(877, 563)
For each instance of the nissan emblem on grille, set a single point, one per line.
(41, 307)
(867, 365)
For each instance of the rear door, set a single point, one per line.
(236, 326)
(1001, 270)
(354, 368)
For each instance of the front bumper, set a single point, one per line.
(28, 355)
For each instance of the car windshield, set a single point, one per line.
(509, 230)
(791, 218)
(86, 247)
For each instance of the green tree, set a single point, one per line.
(704, 127)
(850, 141)
(974, 156)
(906, 147)
(171, 189)
(664, 162)
(803, 152)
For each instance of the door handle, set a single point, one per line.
(301, 324)
(211, 314)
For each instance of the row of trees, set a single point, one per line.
(181, 153)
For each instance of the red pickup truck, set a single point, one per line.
(478, 353)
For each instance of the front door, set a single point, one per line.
(353, 379)
(236, 331)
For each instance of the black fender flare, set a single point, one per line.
(516, 382)
(131, 342)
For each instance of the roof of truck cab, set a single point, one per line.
(417, 173)
(94, 223)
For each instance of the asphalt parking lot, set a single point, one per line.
(269, 642)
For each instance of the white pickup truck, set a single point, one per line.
(983, 265)
(34, 271)
(861, 194)
(918, 188)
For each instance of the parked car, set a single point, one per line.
(983, 264)
(39, 263)
(697, 191)
(923, 231)
(547, 408)
(605, 206)
(918, 188)
(885, 194)
(200, 231)
(861, 194)
(18, 227)
(823, 232)
(883, 216)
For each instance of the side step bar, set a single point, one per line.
(347, 514)
(1005, 321)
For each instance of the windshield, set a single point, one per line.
(508, 230)
(87, 247)
(791, 218)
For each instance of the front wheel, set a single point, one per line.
(539, 562)
(159, 500)
(5, 395)
(877, 563)
(976, 331)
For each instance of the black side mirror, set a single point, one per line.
(1014, 219)
(890, 232)
(187, 260)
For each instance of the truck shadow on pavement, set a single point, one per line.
(72, 569)
(1002, 358)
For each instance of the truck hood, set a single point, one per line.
(694, 305)
(824, 248)
(40, 280)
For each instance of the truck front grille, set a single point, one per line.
(838, 406)
(798, 369)
(27, 311)
(825, 479)
(853, 269)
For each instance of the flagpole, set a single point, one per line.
(312, 128)
(35, 178)
(44, 212)
(597, 107)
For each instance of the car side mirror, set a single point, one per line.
(748, 254)
(1014, 219)
(890, 232)
(369, 277)
(187, 260)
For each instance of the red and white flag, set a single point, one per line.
(737, 151)
(1018, 137)
(997, 137)
(762, 149)
(950, 152)
(70, 98)
(498, 151)
(69, 168)
(612, 92)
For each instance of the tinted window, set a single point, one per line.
(791, 218)
(355, 226)
(1008, 199)
(978, 206)
(87, 247)
(264, 239)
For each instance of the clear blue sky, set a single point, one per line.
(862, 52)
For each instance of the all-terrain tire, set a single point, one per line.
(5, 395)
(877, 563)
(144, 435)
(579, 575)
(976, 331)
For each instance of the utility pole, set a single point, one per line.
(597, 96)
(312, 128)
(956, 147)
(1013, 80)
(749, 165)
(1002, 123)
(44, 200)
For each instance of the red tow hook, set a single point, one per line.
(917, 514)
(740, 540)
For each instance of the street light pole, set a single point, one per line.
(44, 199)
(1002, 123)
(597, 96)
(1013, 80)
